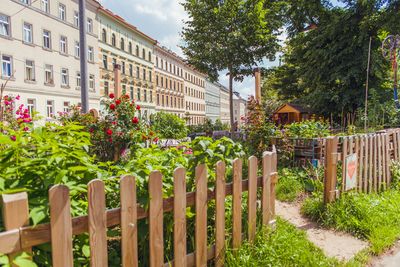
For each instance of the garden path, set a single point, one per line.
(389, 259)
(340, 245)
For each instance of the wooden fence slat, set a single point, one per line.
(388, 162)
(366, 166)
(61, 226)
(358, 152)
(376, 163)
(398, 143)
(220, 214)
(252, 198)
(97, 223)
(237, 204)
(360, 143)
(385, 161)
(201, 216)
(129, 229)
(266, 188)
(156, 220)
(394, 137)
(344, 155)
(180, 217)
(15, 210)
(380, 162)
(274, 181)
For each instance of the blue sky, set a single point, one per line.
(163, 21)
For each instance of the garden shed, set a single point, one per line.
(289, 113)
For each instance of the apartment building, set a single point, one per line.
(195, 104)
(224, 105)
(169, 81)
(213, 100)
(239, 109)
(126, 54)
(39, 53)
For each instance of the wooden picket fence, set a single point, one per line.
(375, 152)
(19, 236)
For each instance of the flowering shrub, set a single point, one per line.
(12, 117)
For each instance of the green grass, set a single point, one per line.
(374, 217)
(283, 246)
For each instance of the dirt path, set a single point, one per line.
(335, 244)
(389, 259)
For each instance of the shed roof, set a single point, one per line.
(297, 107)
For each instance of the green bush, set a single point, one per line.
(307, 129)
(168, 126)
(283, 246)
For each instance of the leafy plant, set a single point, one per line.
(168, 126)
(307, 129)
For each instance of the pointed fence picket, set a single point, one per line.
(62, 227)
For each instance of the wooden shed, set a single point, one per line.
(289, 113)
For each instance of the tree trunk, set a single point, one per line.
(231, 101)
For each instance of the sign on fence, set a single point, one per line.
(351, 171)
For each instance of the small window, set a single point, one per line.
(137, 72)
(45, 6)
(46, 39)
(61, 12)
(143, 53)
(90, 54)
(64, 77)
(138, 94)
(131, 70)
(123, 67)
(26, 2)
(66, 106)
(5, 25)
(29, 70)
(6, 66)
(105, 62)
(63, 45)
(89, 25)
(113, 40)
(122, 44)
(137, 50)
(104, 35)
(145, 95)
(144, 74)
(91, 82)
(149, 56)
(77, 49)
(106, 88)
(131, 92)
(78, 80)
(50, 108)
(28, 33)
(48, 74)
(31, 105)
(130, 48)
(76, 19)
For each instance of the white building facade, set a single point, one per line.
(39, 53)
(195, 103)
(224, 104)
(213, 101)
(121, 43)
(239, 109)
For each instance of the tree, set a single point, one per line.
(168, 126)
(325, 65)
(233, 35)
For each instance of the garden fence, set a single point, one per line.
(375, 153)
(20, 236)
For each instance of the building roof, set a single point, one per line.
(126, 24)
(297, 107)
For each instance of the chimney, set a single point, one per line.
(117, 80)
(257, 75)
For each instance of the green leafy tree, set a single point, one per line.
(168, 126)
(233, 35)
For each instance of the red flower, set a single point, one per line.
(112, 106)
(91, 130)
(114, 123)
(12, 137)
(137, 107)
(156, 139)
(109, 132)
(110, 140)
(135, 120)
(111, 95)
(117, 101)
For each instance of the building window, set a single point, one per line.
(4, 25)
(137, 50)
(114, 62)
(143, 53)
(89, 25)
(150, 76)
(105, 62)
(46, 39)
(124, 89)
(158, 99)
(48, 74)
(104, 35)
(77, 49)
(138, 94)
(64, 77)
(45, 6)
(144, 74)
(29, 70)
(78, 80)
(90, 54)
(131, 70)
(28, 33)
(145, 95)
(157, 80)
(61, 11)
(162, 81)
(137, 72)
(76, 19)
(130, 47)
(6, 66)
(122, 44)
(113, 40)
(63, 45)
(149, 56)
(26, 2)
(157, 62)
(66, 106)
(106, 88)
(131, 93)
(91, 82)
(123, 67)
(50, 108)
(31, 105)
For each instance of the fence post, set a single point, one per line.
(331, 160)
(15, 212)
